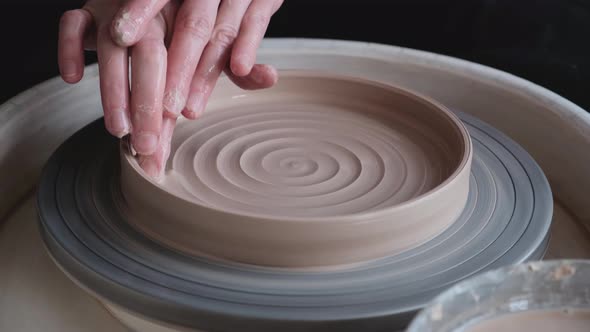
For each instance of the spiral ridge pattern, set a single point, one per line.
(299, 159)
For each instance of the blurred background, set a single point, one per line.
(545, 41)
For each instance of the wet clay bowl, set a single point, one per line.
(320, 170)
(537, 296)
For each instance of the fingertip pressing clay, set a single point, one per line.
(320, 170)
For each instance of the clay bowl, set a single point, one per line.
(320, 170)
(536, 296)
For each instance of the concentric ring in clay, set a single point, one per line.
(319, 170)
(506, 221)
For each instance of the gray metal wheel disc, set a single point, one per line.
(506, 221)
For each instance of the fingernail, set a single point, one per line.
(150, 166)
(69, 69)
(119, 123)
(145, 143)
(194, 106)
(174, 101)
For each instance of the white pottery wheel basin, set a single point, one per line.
(37, 121)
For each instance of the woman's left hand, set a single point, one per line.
(209, 36)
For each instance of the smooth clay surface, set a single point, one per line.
(538, 321)
(319, 170)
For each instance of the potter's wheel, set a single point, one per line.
(506, 220)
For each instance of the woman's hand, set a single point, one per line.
(140, 113)
(208, 35)
(155, 163)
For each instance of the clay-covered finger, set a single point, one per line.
(216, 55)
(72, 28)
(155, 163)
(192, 30)
(148, 75)
(113, 67)
(131, 22)
(253, 28)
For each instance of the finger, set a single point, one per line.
(155, 164)
(131, 22)
(260, 77)
(169, 15)
(113, 68)
(194, 22)
(253, 28)
(148, 75)
(216, 54)
(72, 28)
(90, 39)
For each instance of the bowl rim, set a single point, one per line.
(463, 166)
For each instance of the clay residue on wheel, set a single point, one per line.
(563, 271)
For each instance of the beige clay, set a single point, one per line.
(319, 170)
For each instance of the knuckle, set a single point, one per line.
(146, 109)
(197, 27)
(277, 5)
(224, 35)
(70, 17)
(74, 13)
(111, 107)
(257, 20)
(149, 45)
